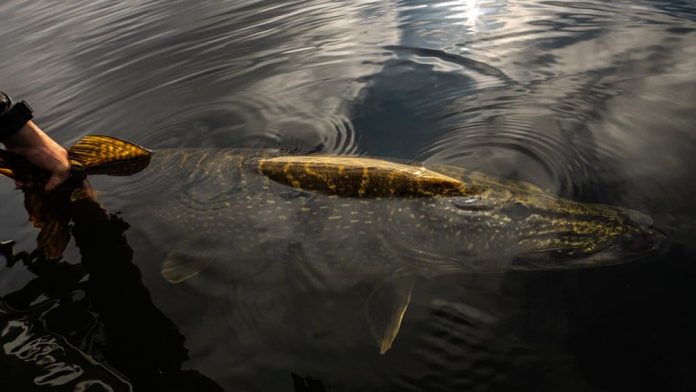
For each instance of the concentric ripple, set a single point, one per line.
(592, 100)
(254, 121)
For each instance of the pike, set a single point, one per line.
(352, 219)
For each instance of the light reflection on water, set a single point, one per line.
(589, 100)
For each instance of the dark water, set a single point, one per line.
(593, 101)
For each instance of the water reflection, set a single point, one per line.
(83, 325)
(275, 74)
(591, 100)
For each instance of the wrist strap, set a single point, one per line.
(14, 119)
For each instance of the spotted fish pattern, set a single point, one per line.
(108, 155)
(360, 177)
(513, 217)
(334, 222)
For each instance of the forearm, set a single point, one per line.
(30, 140)
(23, 137)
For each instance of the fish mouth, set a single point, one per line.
(644, 237)
(648, 241)
(628, 247)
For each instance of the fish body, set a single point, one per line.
(256, 205)
(223, 207)
(339, 221)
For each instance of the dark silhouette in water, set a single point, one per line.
(306, 384)
(99, 306)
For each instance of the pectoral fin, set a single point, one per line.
(385, 309)
(181, 264)
(108, 155)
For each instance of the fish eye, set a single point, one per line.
(472, 203)
(517, 211)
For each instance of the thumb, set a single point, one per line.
(56, 179)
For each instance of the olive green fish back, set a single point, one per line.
(350, 176)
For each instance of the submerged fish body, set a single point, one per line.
(260, 205)
(339, 221)
(225, 209)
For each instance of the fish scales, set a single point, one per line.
(359, 177)
(247, 201)
(334, 222)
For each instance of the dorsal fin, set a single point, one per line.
(97, 154)
(351, 176)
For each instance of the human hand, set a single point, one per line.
(42, 151)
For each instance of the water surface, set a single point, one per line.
(593, 101)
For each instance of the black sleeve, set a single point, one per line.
(13, 117)
(5, 103)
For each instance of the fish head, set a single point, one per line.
(533, 229)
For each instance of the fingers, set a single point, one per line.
(56, 179)
(43, 152)
(52, 183)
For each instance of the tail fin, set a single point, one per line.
(92, 154)
(108, 155)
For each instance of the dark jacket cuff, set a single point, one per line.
(13, 117)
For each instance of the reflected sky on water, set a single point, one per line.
(592, 101)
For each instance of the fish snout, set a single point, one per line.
(636, 218)
(642, 237)
(643, 242)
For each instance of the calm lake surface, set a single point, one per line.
(593, 101)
